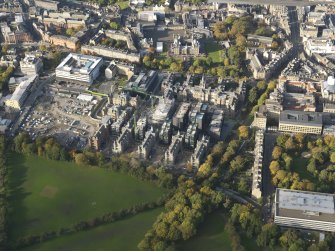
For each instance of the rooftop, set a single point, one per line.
(83, 64)
(301, 117)
(305, 205)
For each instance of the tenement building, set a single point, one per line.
(305, 210)
(300, 122)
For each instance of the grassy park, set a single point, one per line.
(213, 236)
(118, 236)
(214, 51)
(47, 195)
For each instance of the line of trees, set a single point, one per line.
(183, 214)
(90, 223)
(3, 194)
(5, 74)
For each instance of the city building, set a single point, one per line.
(305, 210)
(179, 120)
(121, 68)
(199, 153)
(174, 149)
(21, 93)
(163, 111)
(47, 4)
(123, 141)
(110, 52)
(328, 89)
(77, 68)
(165, 132)
(147, 145)
(300, 122)
(185, 46)
(31, 65)
(143, 83)
(256, 190)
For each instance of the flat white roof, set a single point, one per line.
(306, 201)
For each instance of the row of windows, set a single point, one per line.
(301, 129)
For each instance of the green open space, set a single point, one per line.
(211, 236)
(299, 165)
(123, 4)
(214, 51)
(118, 236)
(47, 195)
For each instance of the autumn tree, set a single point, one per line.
(243, 132)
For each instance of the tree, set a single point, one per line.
(332, 157)
(290, 144)
(253, 94)
(261, 85)
(81, 159)
(288, 238)
(268, 235)
(114, 25)
(241, 41)
(243, 132)
(311, 167)
(4, 49)
(277, 152)
(274, 167)
(70, 32)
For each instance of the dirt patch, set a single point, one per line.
(49, 192)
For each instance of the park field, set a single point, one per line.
(212, 236)
(118, 236)
(47, 195)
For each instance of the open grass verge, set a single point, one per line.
(47, 195)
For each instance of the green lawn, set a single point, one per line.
(47, 195)
(123, 4)
(119, 236)
(213, 237)
(299, 165)
(214, 51)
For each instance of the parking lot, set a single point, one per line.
(65, 118)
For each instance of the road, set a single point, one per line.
(274, 2)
